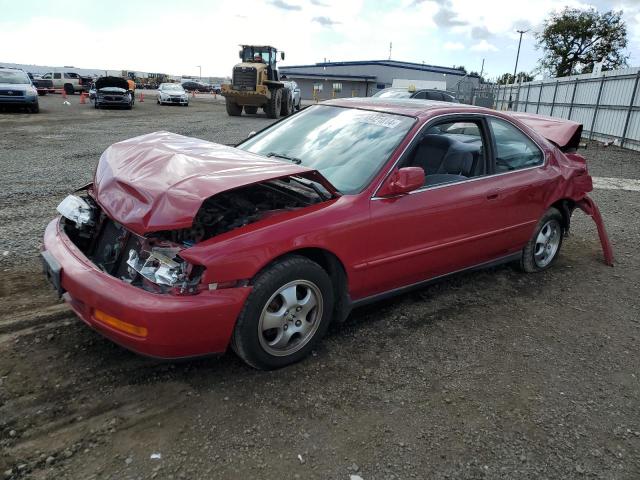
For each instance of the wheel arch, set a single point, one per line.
(334, 267)
(565, 206)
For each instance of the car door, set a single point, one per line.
(57, 80)
(442, 227)
(522, 180)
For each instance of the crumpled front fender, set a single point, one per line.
(588, 206)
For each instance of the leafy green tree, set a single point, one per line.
(507, 78)
(573, 40)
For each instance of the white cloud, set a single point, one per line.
(453, 46)
(484, 46)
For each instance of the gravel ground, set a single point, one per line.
(490, 375)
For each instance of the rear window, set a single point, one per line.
(14, 77)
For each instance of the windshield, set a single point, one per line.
(256, 54)
(172, 86)
(14, 77)
(348, 146)
(393, 93)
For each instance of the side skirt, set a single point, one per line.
(414, 286)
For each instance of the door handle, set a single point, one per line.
(493, 195)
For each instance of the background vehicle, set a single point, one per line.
(192, 86)
(172, 93)
(296, 96)
(424, 94)
(70, 82)
(113, 92)
(43, 86)
(256, 84)
(16, 89)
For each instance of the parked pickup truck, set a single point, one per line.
(43, 86)
(71, 82)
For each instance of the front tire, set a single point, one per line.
(287, 103)
(286, 314)
(233, 109)
(543, 248)
(273, 107)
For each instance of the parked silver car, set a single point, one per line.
(172, 93)
(295, 92)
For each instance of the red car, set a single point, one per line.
(182, 247)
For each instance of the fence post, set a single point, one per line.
(526, 100)
(595, 110)
(553, 102)
(633, 97)
(517, 102)
(573, 96)
(539, 96)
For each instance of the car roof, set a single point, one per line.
(411, 107)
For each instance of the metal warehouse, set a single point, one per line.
(364, 78)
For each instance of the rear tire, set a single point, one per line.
(273, 107)
(68, 89)
(299, 106)
(543, 248)
(250, 110)
(35, 108)
(295, 295)
(233, 109)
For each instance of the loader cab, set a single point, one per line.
(262, 54)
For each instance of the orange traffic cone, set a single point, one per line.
(193, 94)
(141, 97)
(82, 98)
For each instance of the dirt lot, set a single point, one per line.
(493, 374)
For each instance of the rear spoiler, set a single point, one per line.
(563, 133)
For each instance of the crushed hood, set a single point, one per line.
(564, 133)
(158, 181)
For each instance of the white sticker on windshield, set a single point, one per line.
(381, 120)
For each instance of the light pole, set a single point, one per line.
(200, 67)
(515, 68)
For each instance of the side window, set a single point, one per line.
(46, 76)
(420, 95)
(57, 76)
(514, 150)
(434, 96)
(450, 152)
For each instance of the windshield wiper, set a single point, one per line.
(297, 161)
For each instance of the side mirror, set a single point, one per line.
(281, 55)
(240, 53)
(403, 181)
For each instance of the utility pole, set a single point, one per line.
(515, 68)
(390, 47)
(482, 69)
(200, 67)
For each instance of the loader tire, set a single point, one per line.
(233, 109)
(274, 105)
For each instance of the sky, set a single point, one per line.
(177, 36)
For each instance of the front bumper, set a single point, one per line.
(175, 101)
(177, 326)
(113, 101)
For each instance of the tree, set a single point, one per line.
(507, 78)
(573, 40)
(461, 68)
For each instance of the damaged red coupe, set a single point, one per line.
(182, 247)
